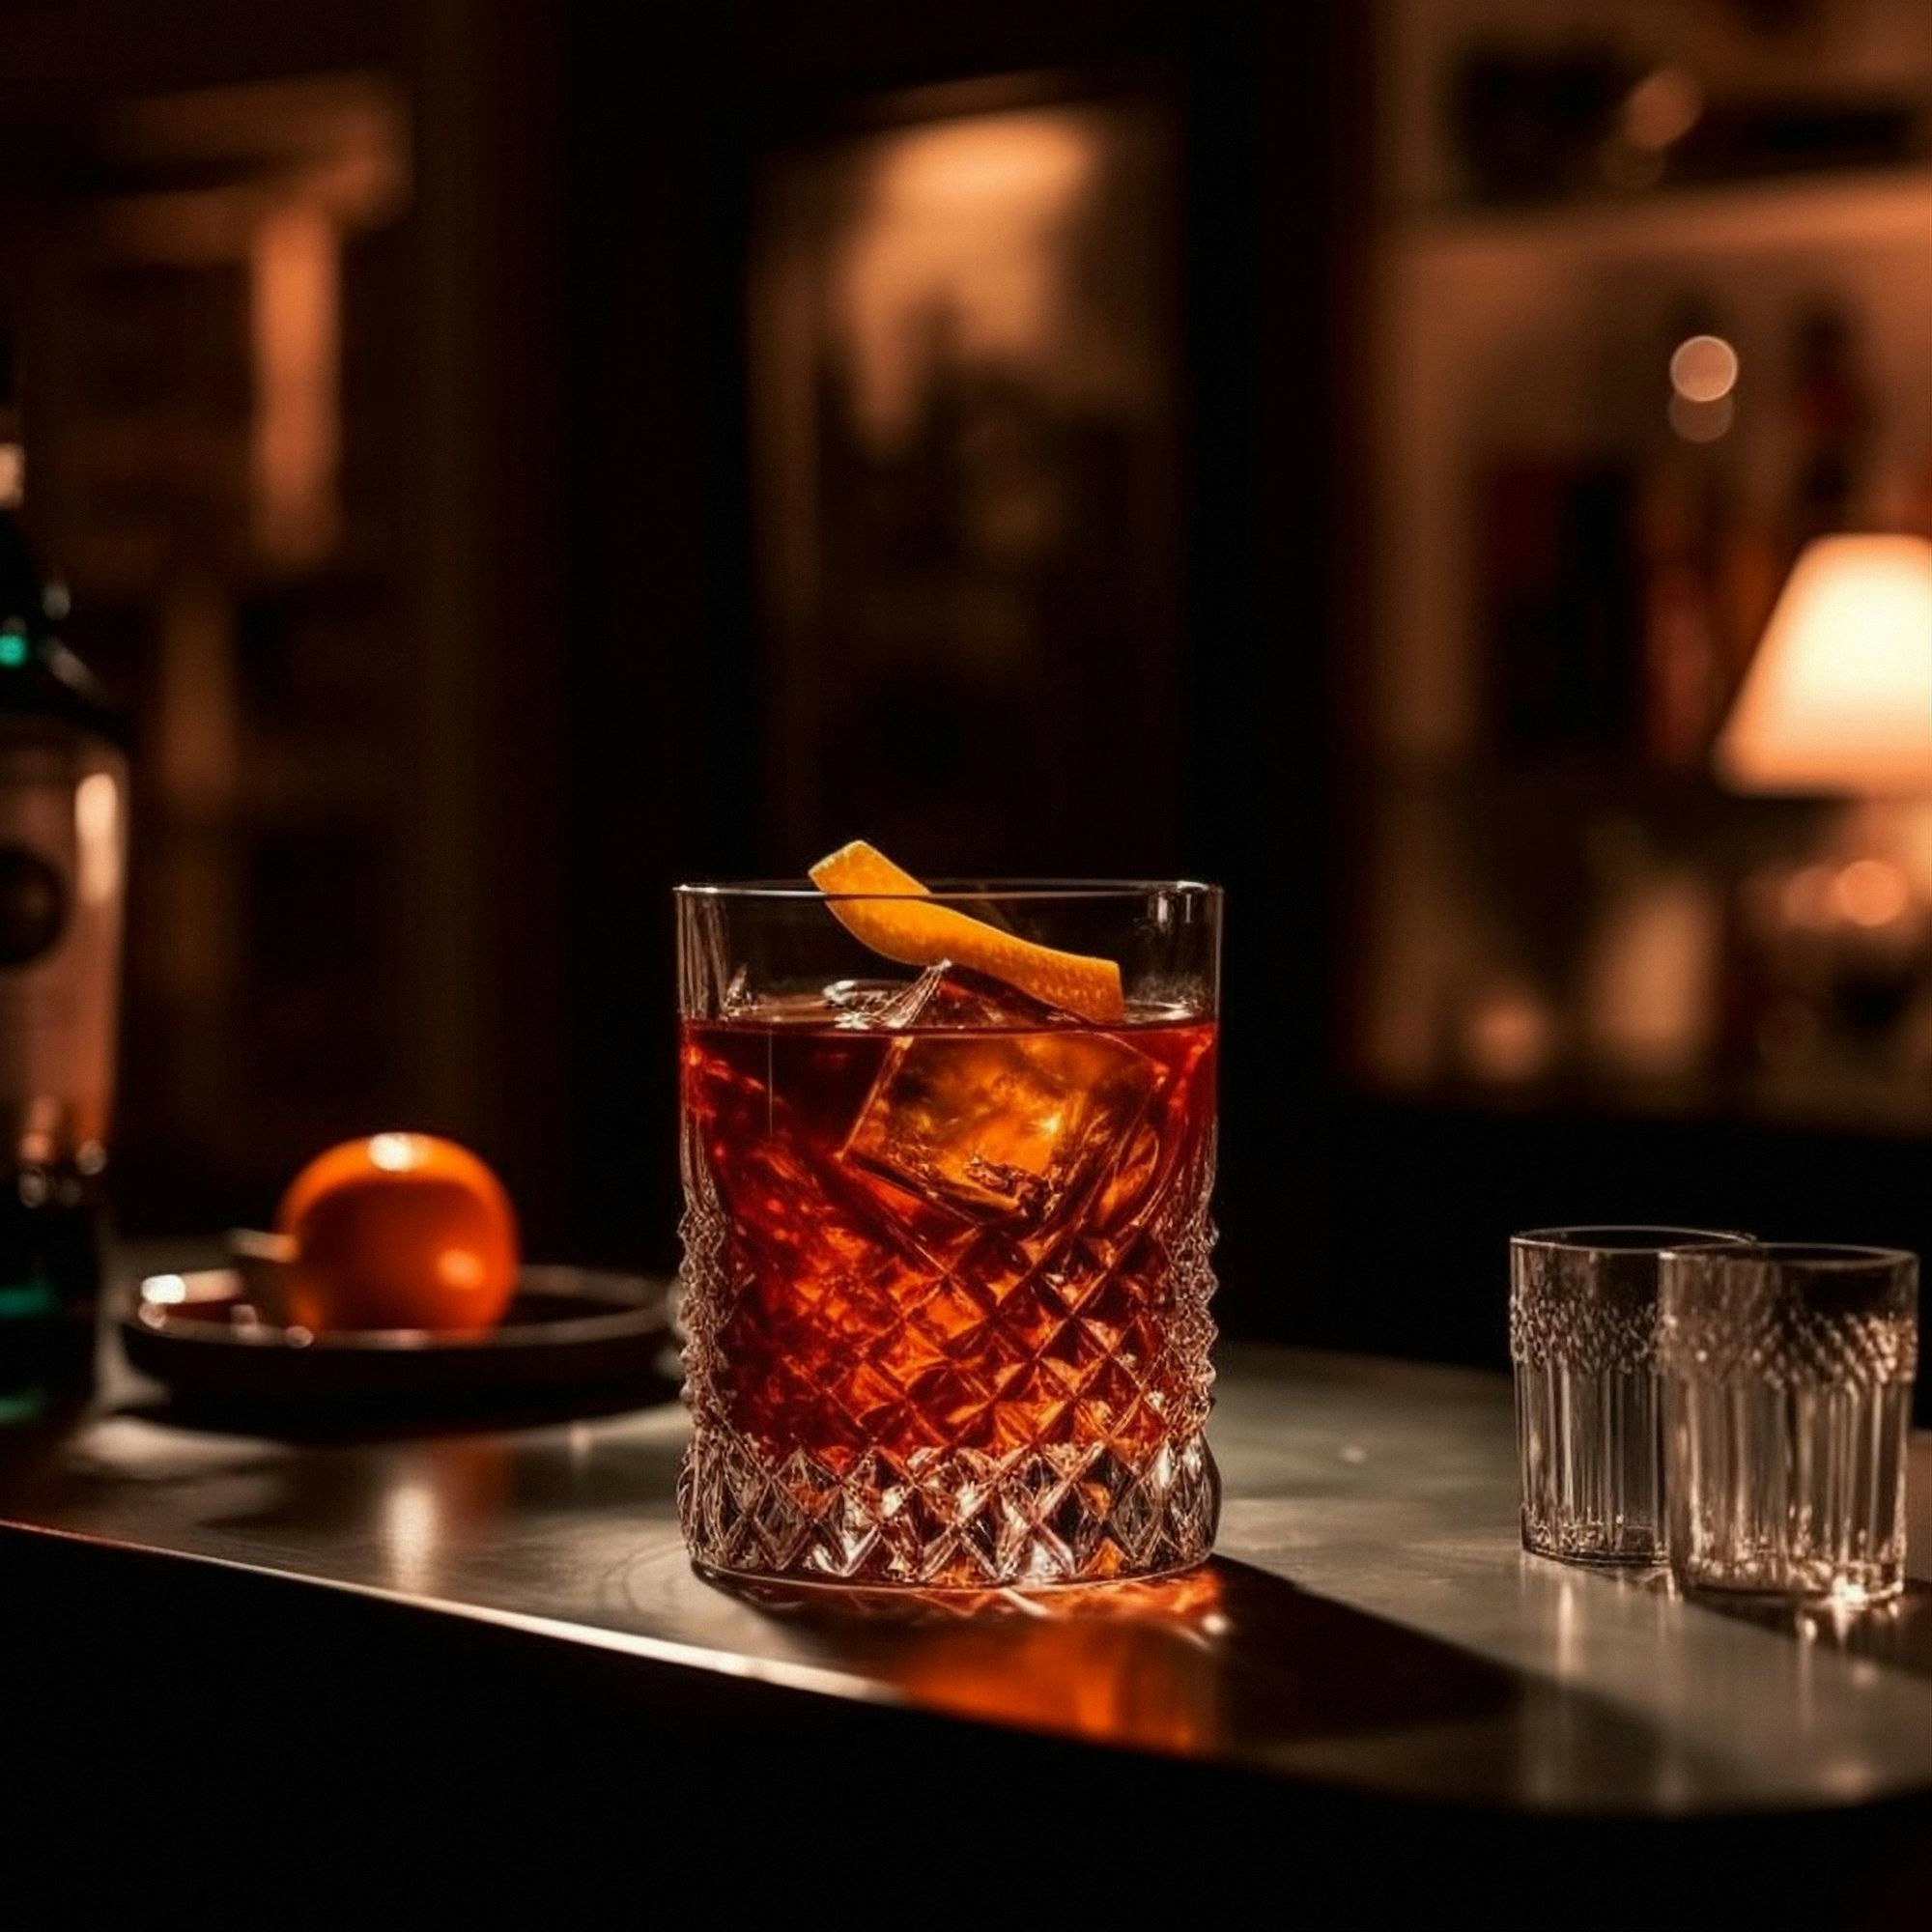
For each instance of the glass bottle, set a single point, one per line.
(63, 882)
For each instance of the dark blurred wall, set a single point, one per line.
(567, 675)
(672, 672)
(349, 735)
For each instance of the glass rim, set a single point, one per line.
(1829, 1257)
(956, 889)
(1570, 1240)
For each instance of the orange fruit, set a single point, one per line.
(916, 935)
(399, 1230)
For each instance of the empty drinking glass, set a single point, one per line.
(1787, 1375)
(1584, 1313)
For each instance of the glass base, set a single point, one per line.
(1789, 1492)
(950, 1520)
(1647, 1554)
(1855, 1587)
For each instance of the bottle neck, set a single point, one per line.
(38, 675)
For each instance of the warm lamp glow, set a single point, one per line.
(1839, 696)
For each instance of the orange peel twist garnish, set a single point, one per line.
(892, 921)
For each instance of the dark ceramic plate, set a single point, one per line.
(569, 1331)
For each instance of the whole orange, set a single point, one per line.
(399, 1230)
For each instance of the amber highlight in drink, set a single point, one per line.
(888, 1300)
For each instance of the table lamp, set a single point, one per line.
(1838, 698)
(1838, 703)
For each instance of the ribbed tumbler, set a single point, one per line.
(1583, 1321)
(1788, 1376)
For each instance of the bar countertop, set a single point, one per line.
(1370, 1625)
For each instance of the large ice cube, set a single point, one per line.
(996, 1102)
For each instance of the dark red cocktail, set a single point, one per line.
(948, 1274)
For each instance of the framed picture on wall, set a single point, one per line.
(963, 417)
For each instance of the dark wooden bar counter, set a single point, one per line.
(1370, 1640)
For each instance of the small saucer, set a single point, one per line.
(569, 1330)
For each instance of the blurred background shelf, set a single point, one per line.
(512, 460)
(1862, 206)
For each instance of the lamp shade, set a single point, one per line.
(1838, 698)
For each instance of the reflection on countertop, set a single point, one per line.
(1371, 1621)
